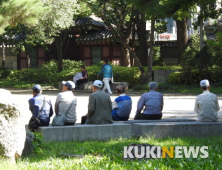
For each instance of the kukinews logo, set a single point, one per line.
(150, 151)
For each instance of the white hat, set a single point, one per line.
(204, 83)
(97, 83)
(69, 84)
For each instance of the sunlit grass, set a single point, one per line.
(109, 155)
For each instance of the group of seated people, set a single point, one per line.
(102, 111)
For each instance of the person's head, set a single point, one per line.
(153, 86)
(82, 68)
(36, 89)
(68, 85)
(105, 61)
(204, 85)
(97, 85)
(120, 89)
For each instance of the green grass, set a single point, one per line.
(172, 88)
(19, 84)
(109, 155)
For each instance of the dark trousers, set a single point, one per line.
(83, 120)
(118, 118)
(69, 123)
(80, 82)
(148, 116)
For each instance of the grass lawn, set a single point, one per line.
(109, 155)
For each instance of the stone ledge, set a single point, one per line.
(85, 132)
(177, 129)
(131, 122)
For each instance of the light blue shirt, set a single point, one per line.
(152, 101)
(107, 71)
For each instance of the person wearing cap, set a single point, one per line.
(107, 75)
(64, 100)
(84, 78)
(36, 103)
(122, 105)
(206, 104)
(151, 103)
(99, 107)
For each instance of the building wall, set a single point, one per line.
(10, 59)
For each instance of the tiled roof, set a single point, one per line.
(90, 21)
(96, 36)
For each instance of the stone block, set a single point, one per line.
(160, 76)
(131, 122)
(177, 129)
(85, 132)
(86, 86)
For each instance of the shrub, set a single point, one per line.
(175, 78)
(121, 74)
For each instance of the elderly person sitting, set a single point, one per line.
(63, 102)
(206, 104)
(99, 107)
(153, 103)
(122, 105)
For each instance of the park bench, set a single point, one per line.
(88, 85)
(177, 129)
(85, 132)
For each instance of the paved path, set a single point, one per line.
(175, 106)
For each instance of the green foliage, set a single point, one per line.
(175, 78)
(215, 47)
(44, 74)
(27, 12)
(160, 26)
(193, 59)
(37, 143)
(157, 59)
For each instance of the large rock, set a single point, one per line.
(28, 148)
(12, 128)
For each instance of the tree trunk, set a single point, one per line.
(3, 54)
(141, 32)
(133, 46)
(182, 37)
(136, 59)
(125, 55)
(150, 59)
(60, 41)
(28, 59)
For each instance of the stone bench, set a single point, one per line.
(131, 122)
(88, 85)
(177, 129)
(85, 132)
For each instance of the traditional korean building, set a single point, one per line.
(90, 41)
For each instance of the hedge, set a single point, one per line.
(120, 74)
(194, 77)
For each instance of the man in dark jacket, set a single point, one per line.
(100, 106)
(36, 103)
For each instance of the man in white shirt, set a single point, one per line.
(64, 100)
(206, 104)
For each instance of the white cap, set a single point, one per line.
(204, 83)
(69, 84)
(97, 83)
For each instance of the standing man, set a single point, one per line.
(151, 103)
(100, 106)
(206, 104)
(63, 102)
(107, 75)
(36, 103)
